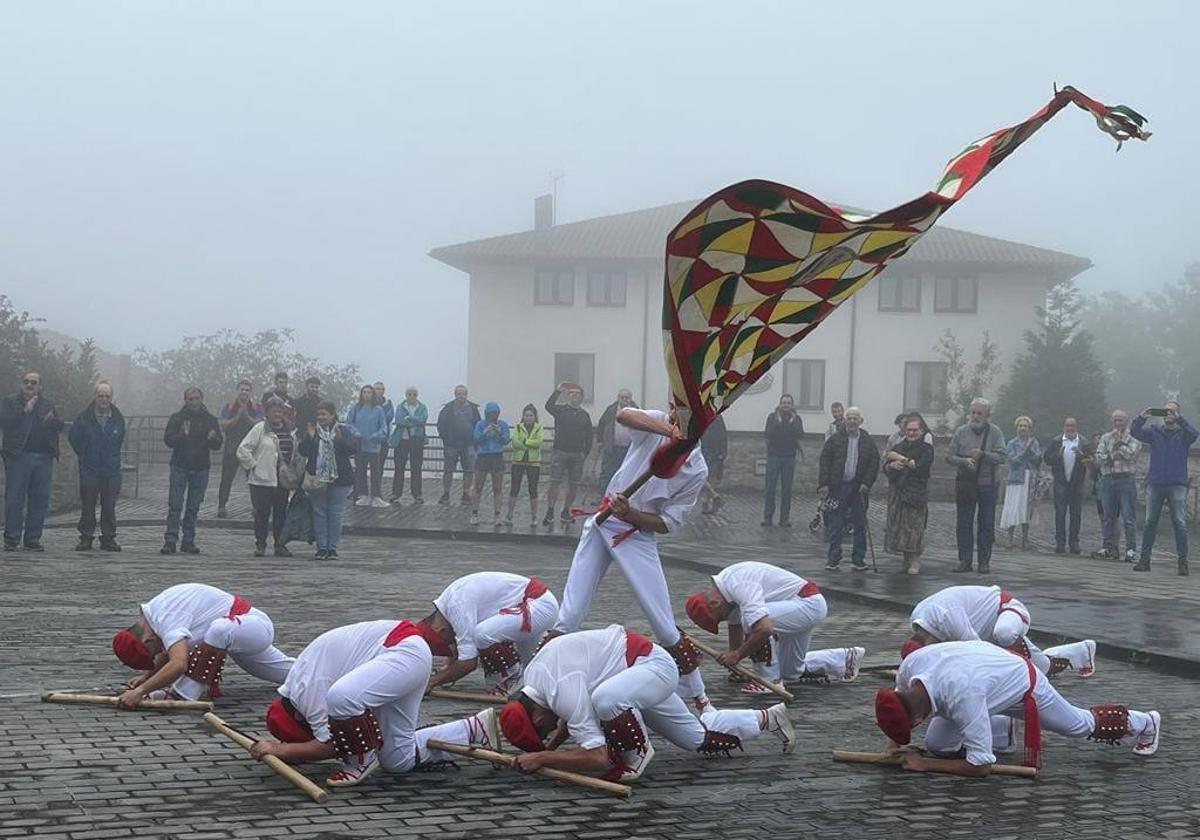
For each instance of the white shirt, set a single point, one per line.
(750, 585)
(567, 670)
(1070, 449)
(967, 683)
(184, 611)
(959, 613)
(670, 498)
(472, 598)
(327, 659)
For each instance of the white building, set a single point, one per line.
(583, 302)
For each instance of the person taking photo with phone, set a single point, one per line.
(1167, 479)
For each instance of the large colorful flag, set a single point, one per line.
(755, 267)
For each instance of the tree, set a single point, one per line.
(216, 362)
(67, 377)
(1130, 349)
(1058, 375)
(964, 381)
(1175, 315)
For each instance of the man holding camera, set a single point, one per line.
(1167, 480)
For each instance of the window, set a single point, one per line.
(956, 294)
(804, 379)
(579, 368)
(554, 287)
(606, 288)
(898, 293)
(925, 386)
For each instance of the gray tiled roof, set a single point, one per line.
(641, 235)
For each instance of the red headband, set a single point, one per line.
(892, 717)
(130, 650)
(518, 727)
(700, 613)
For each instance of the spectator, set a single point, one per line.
(191, 434)
(31, 427)
(306, 405)
(1167, 480)
(237, 417)
(492, 435)
(1116, 458)
(1093, 472)
(898, 435)
(328, 446)
(907, 465)
(408, 444)
(572, 443)
(527, 439)
(849, 466)
(280, 391)
(783, 431)
(838, 423)
(613, 437)
(714, 445)
(96, 436)
(976, 450)
(1068, 457)
(1024, 456)
(389, 415)
(456, 427)
(269, 445)
(369, 426)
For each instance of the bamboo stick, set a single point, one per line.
(111, 700)
(549, 772)
(745, 673)
(895, 758)
(468, 696)
(280, 767)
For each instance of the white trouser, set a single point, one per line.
(248, 639)
(637, 558)
(506, 627)
(464, 731)
(649, 682)
(794, 621)
(1055, 713)
(672, 720)
(1013, 623)
(392, 685)
(1076, 653)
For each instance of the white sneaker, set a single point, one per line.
(1147, 743)
(351, 773)
(474, 520)
(1088, 666)
(362, 501)
(489, 723)
(702, 704)
(756, 688)
(854, 657)
(779, 724)
(637, 763)
(378, 501)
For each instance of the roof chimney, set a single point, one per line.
(543, 212)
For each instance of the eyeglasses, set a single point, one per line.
(31, 382)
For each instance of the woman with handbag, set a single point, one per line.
(328, 476)
(907, 465)
(265, 452)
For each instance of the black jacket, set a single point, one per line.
(1054, 457)
(99, 449)
(607, 424)
(715, 442)
(572, 426)
(783, 437)
(20, 425)
(306, 410)
(344, 445)
(454, 433)
(833, 461)
(190, 450)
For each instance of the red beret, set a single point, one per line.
(283, 725)
(699, 612)
(518, 727)
(909, 646)
(891, 716)
(130, 650)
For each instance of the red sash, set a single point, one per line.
(1005, 597)
(533, 590)
(240, 607)
(809, 589)
(401, 632)
(604, 505)
(1033, 722)
(635, 645)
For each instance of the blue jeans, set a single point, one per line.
(852, 509)
(328, 504)
(981, 511)
(1118, 494)
(191, 483)
(1175, 495)
(26, 495)
(781, 471)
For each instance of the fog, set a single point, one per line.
(169, 169)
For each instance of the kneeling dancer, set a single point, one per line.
(967, 613)
(493, 619)
(354, 694)
(182, 636)
(780, 610)
(603, 688)
(959, 686)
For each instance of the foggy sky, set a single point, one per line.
(168, 169)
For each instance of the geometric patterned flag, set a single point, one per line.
(755, 267)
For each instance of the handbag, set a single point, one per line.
(292, 473)
(311, 483)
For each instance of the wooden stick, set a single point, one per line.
(111, 700)
(281, 768)
(469, 696)
(895, 758)
(878, 669)
(746, 673)
(549, 772)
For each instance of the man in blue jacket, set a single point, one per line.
(31, 427)
(97, 436)
(1167, 480)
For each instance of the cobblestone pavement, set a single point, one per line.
(87, 772)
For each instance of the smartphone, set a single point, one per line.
(1156, 412)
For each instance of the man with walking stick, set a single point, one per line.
(849, 466)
